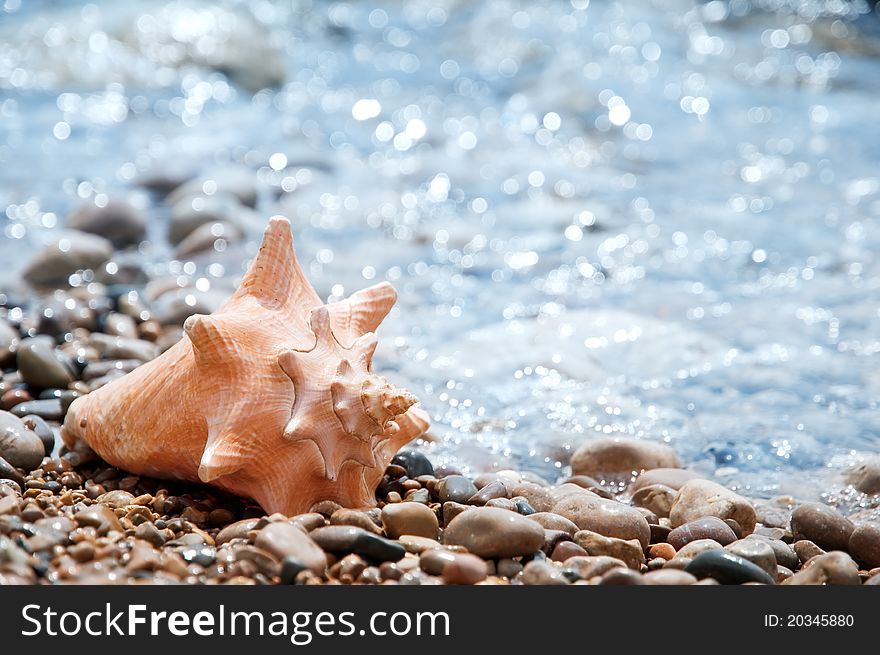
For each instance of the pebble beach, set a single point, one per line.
(633, 246)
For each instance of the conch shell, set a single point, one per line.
(272, 397)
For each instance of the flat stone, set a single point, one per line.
(821, 524)
(709, 527)
(621, 456)
(350, 539)
(42, 366)
(284, 540)
(607, 517)
(409, 518)
(590, 566)
(99, 517)
(699, 498)
(464, 569)
(237, 530)
(492, 533)
(865, 476)
(668, 577)
(674, 478)
(628, 551)
(49, 409)
(54, 264)
(657, 498)
(690, 551)
(727, 568)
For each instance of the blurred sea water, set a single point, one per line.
(652, 219)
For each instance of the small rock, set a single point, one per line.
(542, 573)
(491, 533)
(699, 498)
(864, 544)
(452, 509)
(784, 554)
(622, 577)
(19, 446)
(345, 516)
(821, 524)
(455, 488)
(727, 568)
(591, 566)
(622, 456)
(464, 569)
(536, 495)
(40, 428)
(116, 499)
(42, 366)
(565, 550)
(669, 577)
(49, 409)
(709, 527)
(414, 462)
(607, 517)
(806, 550)
(657, 498)
(237, 530)
(111, 347)
(757, 552)
(687, 554)
(99, 517)
(865, 476)
(835, 568)
(350, 539)
(8, 472)
(119, 221)
(53, 265)
(284, 540)
(628, 551)
(674, 478)
(663, 551)
(150, 533)
(493, 490)
(409, 518)
(551, 521)
(9, 340)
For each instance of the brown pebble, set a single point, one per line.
(666, 551)
(14, 397)
(565, 550)
(464, 569)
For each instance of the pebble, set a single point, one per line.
(411, 519)
(491, 533)
(757, 552)
(622, 577)
(657, 498)
(19, 446)
(674, 478)
(537, 496)
(150, 533)
(590, 566)
(119, 221)
(806, 550)
(309, 520)
(686, 555)
(99, 517)
(290, 569)
(8, 472)
(508, 567)
(865, 476)
(14, 397)
(116, 499)
(709, 527)
(493, 490)
(9, 340)
(345, 516)
(205, 238)
(663, 551)
(666, 577)
(565, 550)
(237, 530)
(864, 544)
(49, 409)
(607, 517)
(464, 569)
(432, 561)
(542, 573)
(621, 456)
(350, 539)
(40, 428)
(551, 521)
(455, 488)
(284, 540)
(42, 366)
(699, 498)
(415, 544)
(113, 347)
(784, 554)
(54, 264)
(120, 325)
(821, 524)
(628, 551)
(834, 568)
(413, 462)
(452, 509)
(727, 568)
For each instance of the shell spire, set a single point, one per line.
(272, 397)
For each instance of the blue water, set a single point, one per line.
(654, 219)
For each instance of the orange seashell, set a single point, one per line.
(271, 397)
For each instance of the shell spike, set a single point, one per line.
(396, 401)
(362, 312)
(275, 278)
(221, 457)
(365, 347)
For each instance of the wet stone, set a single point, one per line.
(39, 427)
(835, 568)
(491, 533)
(628, 551)
(345, 516)
(606, 517)
(821, 524)
(349, 539)
(708, 527)
(542, 573)
(237, 530)
(757, 552)
(493, 490)
(19, 446)
(455, 488)
(864, 544)
(413, 462)
(727, 568)
(42, 366)
(784, 554)
(285, 540)
(99, 517)
(699, 498)
(464, 569)
(621, 456)
(409, 518)
(49, 410)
